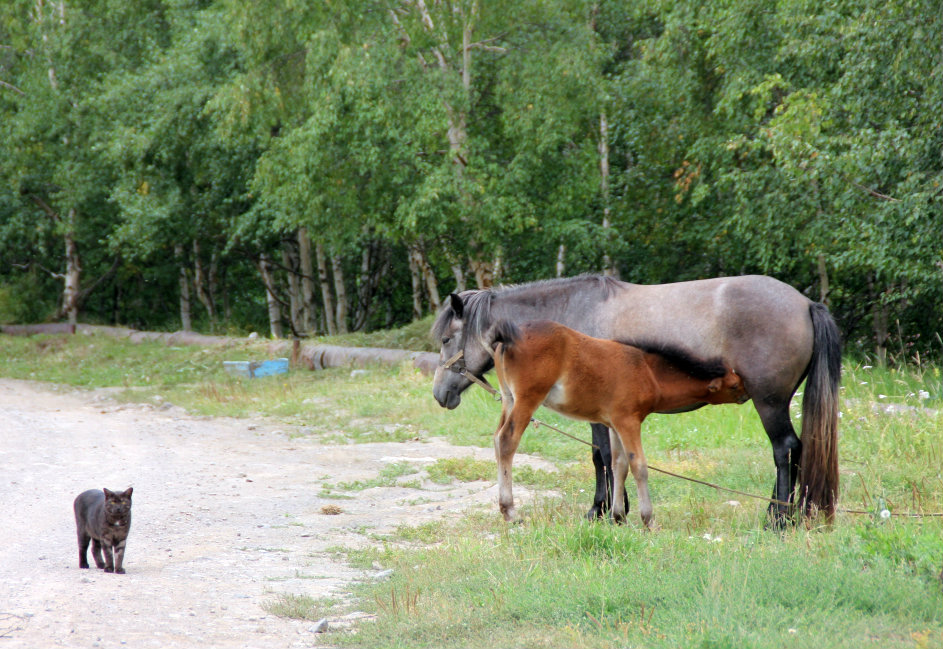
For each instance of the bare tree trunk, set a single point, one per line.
(418, 257)
(73, 273)
(608, 267)
(484, 272)
(185, 320)
(307, 280)
(823, 279)
(372, 271)
(561, 260)
(274, 312)
(340, 292)
(326, 297)
(199, 283)
(295, 299)
(415, 274)
(459, 275)
(878, 322)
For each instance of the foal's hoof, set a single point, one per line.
(510, 515)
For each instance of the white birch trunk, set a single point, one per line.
(608, 267)
(295, 299)
(340, 293)
(274, 312)
(73, 274)
(415, 273)
(199, 283)
(307, 280)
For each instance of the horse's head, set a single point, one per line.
(452, 330)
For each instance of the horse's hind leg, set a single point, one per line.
(787, 450)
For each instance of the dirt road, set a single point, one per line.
(226, 514)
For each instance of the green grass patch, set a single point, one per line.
(300, 607)
(711, 576)
(558, 581)
(388, 477)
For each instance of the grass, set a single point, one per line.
(711, 577)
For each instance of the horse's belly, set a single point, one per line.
(558, 401)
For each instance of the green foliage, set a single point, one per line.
(178, 139)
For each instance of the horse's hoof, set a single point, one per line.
(595, 512)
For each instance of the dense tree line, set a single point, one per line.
(319, 167)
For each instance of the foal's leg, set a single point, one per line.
(620, 468)
(506, 440)
(629, 431)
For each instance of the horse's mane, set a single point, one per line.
(478, 302)
(682, 360)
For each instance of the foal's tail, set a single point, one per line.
(818, 468)
(502, 331)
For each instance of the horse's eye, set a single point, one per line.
(445, 341)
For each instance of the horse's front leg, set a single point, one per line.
(506, 440)
(629, 436)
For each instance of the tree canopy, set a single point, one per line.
(326, 167)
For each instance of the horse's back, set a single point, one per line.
(760, 326)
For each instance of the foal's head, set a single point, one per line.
(727, 388)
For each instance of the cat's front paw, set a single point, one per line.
(109, 569)
(119, 571)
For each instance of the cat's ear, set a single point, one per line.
(127, 494)
(108, 493)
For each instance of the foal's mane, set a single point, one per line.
(683, 360)
(478, 302)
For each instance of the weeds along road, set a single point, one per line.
(226, 514)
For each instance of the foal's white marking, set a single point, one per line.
(556, 398)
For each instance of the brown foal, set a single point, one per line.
(601, 381)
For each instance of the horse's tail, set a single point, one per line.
(502, 331)
(818, 467)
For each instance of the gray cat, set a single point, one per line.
(104, 518)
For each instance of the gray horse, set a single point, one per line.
(772, 335)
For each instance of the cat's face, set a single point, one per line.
(118, 505)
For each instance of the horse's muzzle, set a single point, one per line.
(450, 399)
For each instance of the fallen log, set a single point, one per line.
(311, 356)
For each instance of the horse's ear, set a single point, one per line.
(457, 305)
